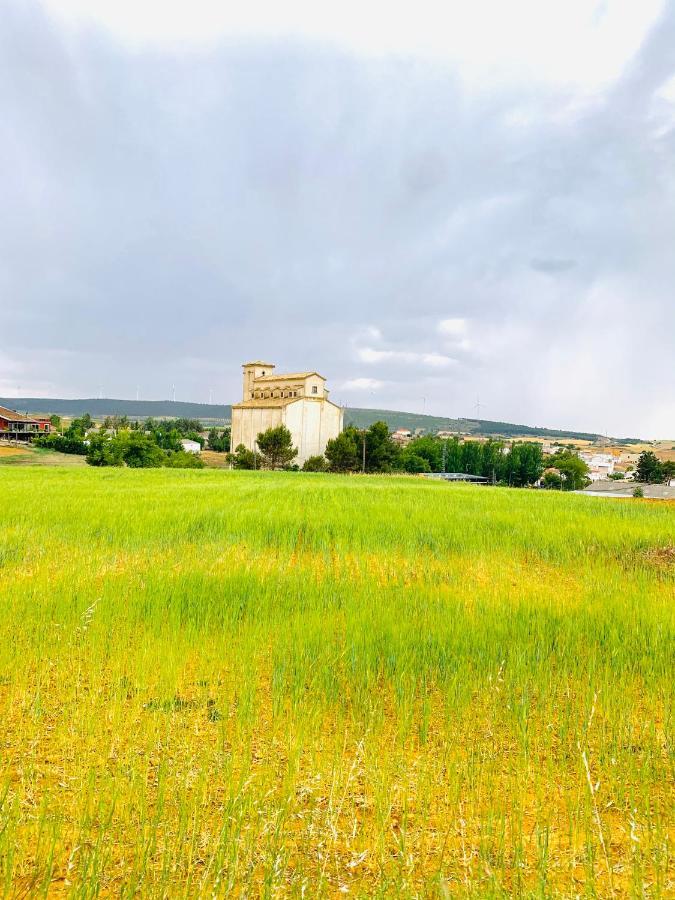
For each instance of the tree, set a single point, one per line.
(414, 463)
(453, 455)
(61, 444)
(104, 451)
(381, 452)
(183, 460)
(78, 428)
(242, 458)
(55, 422)
(219, 440)
(649, 468)
(429, 449)
(342, 452)
(276, 447)
(572, 468)
(668, 470)
(315, 464)
(552, 480)
(139, 450)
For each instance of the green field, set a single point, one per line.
(307, 685)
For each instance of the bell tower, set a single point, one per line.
(253, 370)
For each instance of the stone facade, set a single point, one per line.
(298, 400)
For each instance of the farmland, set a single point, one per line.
(309, 685)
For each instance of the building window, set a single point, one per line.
(315, 389)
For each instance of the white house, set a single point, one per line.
(191, 446)
(298, 400)
(601, 465)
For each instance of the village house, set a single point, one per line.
(16, 427)
(402, 436)
(190, 446)
(601, 465)
(298, 400)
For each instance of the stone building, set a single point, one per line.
(298, 400)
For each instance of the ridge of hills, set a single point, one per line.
(221, 413)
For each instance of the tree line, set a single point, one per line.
(372, 450)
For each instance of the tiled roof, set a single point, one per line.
(291, 376)
(259, 362)
(13, 416)
(268, 402)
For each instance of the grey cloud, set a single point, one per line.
(279, 198)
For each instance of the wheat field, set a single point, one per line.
(288, 685)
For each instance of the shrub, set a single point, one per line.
(315, 464)
(62, 444)
(183, 460)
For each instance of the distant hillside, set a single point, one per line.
(141, 409)
(483, 427)
(135, 409)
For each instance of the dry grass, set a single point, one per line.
(286, 685)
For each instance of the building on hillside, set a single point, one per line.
(16, 427)
(298, 400)
(402, 436)
(601, 465)
(190, 446)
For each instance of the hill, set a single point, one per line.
(218, 413)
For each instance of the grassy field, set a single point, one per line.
(294, 685)
(34, 456)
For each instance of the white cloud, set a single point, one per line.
(579, 41)
(431, 360)
(362, 384)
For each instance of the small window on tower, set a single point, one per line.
(315, 389)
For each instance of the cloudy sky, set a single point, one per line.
(428, 202)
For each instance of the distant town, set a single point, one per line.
(287, 421)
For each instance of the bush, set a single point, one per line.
(315, 464)
(243, 458)
(183, 460)
(415, 464)
(62, 444)
(638, 492)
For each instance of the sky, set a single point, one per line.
(443, 207)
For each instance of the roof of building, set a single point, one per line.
(258, 362)
(13, 416)
(288, 376)
(267, 402)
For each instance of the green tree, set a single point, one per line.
(453, 455)
(342, 452)
(219, 440)
(183, 460)
(242, 458)
(276, 447)
(79, 427)
(381, 452)
(413, 463)
(552, 481)
(104, 451)
(668, 470)
(428, 448)
(55, 422)
(315, 464)
(139, 450)
(649, 469)
(572, 468)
